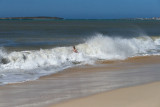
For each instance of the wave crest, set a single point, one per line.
(97, 47)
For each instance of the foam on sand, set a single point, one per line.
(34, 63)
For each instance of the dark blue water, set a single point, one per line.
(30, 49)
(36, 34)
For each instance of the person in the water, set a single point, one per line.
(74, 49)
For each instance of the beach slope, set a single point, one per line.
(147, 95)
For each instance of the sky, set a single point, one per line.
(81, 9)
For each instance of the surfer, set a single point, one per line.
(74, 49)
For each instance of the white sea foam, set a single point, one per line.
(105, 47)
(35, 63)
(157, 41)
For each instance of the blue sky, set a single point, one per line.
(81, 9)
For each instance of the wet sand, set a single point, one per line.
(147, 95)
(81, 81)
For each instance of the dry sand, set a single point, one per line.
(147, 95)
(82, 81)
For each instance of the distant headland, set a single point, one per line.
(59, 18)
(31, 18)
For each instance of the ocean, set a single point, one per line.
(30, 49)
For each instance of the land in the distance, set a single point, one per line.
(153, 18)
(59, 18)
(30, 18)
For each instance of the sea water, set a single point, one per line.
(30, 49)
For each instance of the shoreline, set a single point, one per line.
(99, 65)
(145, 95)
(81, 81)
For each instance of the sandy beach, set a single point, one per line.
(147, 95)
(109, 78)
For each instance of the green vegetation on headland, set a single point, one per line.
(32, 18)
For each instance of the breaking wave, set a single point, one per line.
(99, 47)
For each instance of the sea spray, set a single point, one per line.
(97, 47)
(105, 47)
(29, 65)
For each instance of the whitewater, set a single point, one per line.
(20, 66)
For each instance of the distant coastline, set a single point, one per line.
(31, 18)
(59, 18)
(153, 18)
